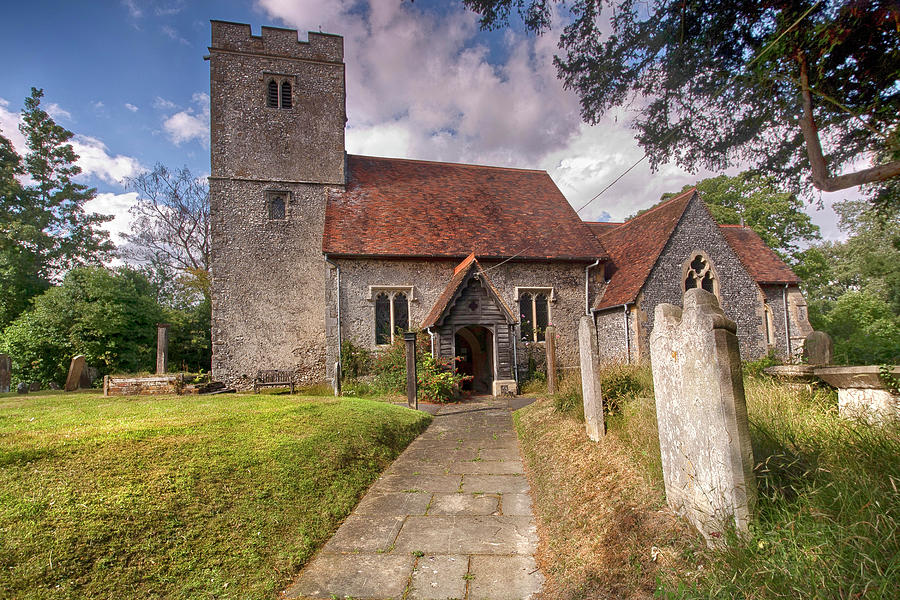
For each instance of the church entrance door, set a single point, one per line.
(475, 349)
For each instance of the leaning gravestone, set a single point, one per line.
(818, 348)
(22, 388)
(75, 370)
(5, 373)
(704, 435)
(590, 379)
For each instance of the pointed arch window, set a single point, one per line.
(272, 94)
(699, 274)
(391, 316)
(286, 98)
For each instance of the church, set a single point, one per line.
(312, 246)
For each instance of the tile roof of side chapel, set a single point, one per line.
(635, 245)
(411, 208)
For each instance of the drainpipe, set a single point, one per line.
(627, 335)
(338, 269)
(787, 324)
(431, 335)
(587, 303)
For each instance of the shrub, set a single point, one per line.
(754, 368)
(355, 360)
(436, 378)
(619, 382)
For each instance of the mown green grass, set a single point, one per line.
(180, 497)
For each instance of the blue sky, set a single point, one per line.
(128, 77)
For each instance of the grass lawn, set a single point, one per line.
(827, 520)
(180, 496)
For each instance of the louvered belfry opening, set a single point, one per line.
(272, 94)
(286, 100)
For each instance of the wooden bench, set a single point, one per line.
(273, 379)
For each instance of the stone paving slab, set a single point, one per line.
(467, 535)
(450, 518)
(354, 575)
(464, 504)
(504, 578)
(439, 577)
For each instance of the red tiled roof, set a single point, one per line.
(445, 300)
(397, 207)
(760, 261)
(600, 228)
(634, 247)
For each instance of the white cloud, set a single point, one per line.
(97, 105)
(57, 112)
(131, 107)
(170, 32)
(133, 9)
(190, 124)
(116, 205)
(9, 126)
(94, 159)
(160, 103)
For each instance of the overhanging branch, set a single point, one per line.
(820, 176)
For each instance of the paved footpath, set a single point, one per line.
(450, 518)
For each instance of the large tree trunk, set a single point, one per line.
(820, 177)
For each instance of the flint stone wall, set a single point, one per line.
(429, 279)
(702, 415)
(798, 318)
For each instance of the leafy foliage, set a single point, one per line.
(864, 328)
(109, 316)
(719, 81)
(436, 378)
(356, 361)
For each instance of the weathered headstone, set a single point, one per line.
(818, 348)
(412, 396)
(75, 369)
(5, 373)
(590, 379)
(35, 386)
(88, 375)
(22, 388)
(53, 386)
(550, 347)
(162, 348)
(337, 378)
(701, 412)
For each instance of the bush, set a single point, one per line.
(435, 377)
(355, 360)
(109, 316)
(754, 368)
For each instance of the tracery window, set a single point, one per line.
(391, 316)
(534, 316)
(700, 274)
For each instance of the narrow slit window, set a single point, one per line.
(272, 94)
(286, 98)
(526, 316)
(401, 313)
(541, 316)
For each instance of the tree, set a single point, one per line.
(170, 229)
(110, 316)
(56, 202)
(777, 217)
(721, 81)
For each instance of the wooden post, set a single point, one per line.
(550, 347)
(162, 348)
(412, 397)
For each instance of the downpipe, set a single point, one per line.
(587, 289)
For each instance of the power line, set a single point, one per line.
(725, 85)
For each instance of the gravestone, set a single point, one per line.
(412, 390)
(5, 373)
(22, 388)
(337, 379)
(590, 379)
(704, 435)
(550, 347)
(35, 386)
(818, 348)
(88, 375)
(75, 370)
(162, 348)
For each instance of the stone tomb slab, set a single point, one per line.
(353, 575)
(439, 577)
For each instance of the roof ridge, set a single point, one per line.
(604, 222)
(734, 225)
(450, 164)
(661, 205)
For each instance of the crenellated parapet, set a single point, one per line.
(275, 41)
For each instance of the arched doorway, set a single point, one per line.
(475, 349)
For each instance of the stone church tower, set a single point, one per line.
(277, 144)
